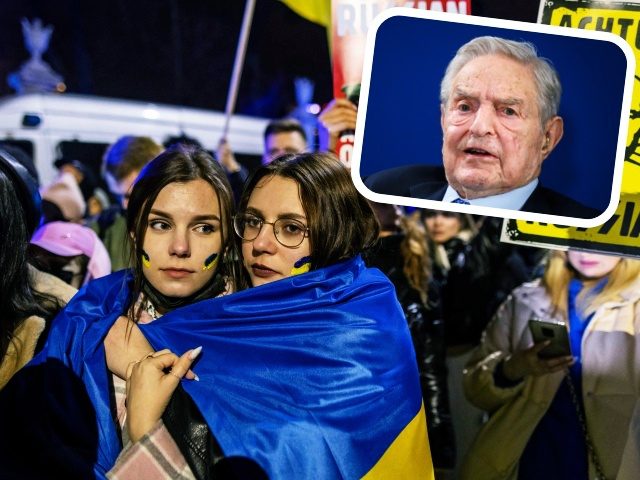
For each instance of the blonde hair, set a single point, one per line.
(559, 273)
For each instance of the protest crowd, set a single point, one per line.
(208, 319)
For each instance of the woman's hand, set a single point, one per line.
(526, 362)
(123, 345)
(150, 383)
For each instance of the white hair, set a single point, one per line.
(545, 75)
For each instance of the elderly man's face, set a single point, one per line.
(493, 139)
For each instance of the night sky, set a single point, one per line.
(173, 51)
(182, 51)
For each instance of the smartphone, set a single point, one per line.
(542, 330)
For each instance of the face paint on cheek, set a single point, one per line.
(301, 266)
(146, 262)
(210, 262)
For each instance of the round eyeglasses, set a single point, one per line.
(288, 232)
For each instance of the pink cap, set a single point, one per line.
(70, 239)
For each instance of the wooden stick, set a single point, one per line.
(238, 64)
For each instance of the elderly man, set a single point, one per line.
(499, 104)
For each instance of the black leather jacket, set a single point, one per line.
(200, 448)
(483, 273)
(427, 332)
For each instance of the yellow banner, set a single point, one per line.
(621, 234)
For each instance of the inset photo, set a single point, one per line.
(493, 117)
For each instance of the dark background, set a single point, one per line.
(182, 51)
(172, 51)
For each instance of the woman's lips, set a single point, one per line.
(176, 273)
(262, 271)
(588, 264)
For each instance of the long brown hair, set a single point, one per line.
(415, 253)
(179, 164)
(20, 207)
(414, 246)
(341, 222)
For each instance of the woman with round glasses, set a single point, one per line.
(288, 232)
(318, 375)
(310, 374)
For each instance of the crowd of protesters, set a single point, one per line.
(494, 408)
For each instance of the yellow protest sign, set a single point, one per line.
(621, 233)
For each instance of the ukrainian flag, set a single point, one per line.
(313, 376)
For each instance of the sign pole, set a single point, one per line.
(237, 64)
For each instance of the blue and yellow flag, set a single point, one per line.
(313, 376)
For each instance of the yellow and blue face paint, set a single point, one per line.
(301, 266)
(146, 261)
(210, 262)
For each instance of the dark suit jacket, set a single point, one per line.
(430, 183)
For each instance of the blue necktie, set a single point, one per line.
(459, 200)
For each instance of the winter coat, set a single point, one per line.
(610, 384)
(27, 336)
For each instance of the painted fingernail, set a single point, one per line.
(195, 352)
(196, 377)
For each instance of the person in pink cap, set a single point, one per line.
(71, 252)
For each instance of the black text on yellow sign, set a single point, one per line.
(621, 233)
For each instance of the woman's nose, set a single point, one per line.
(180, 245)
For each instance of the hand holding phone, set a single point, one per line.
(555, 333)
(550, 353)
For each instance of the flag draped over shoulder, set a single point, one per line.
(317, 11)
(313, 376)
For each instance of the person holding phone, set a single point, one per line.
(565, 416)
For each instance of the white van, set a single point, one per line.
(48, 126)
